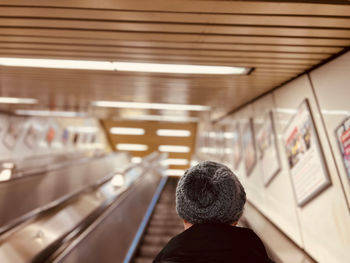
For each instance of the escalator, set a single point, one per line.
(60, 230)
(163, 225)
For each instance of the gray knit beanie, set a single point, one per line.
(210, 193)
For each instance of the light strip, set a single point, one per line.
(167, 118)
(335, 112)
(173, 133)
(122, 66)
(47, 113)
(151, 106)
(117, 180)
(127, 131)
(174, 148)
(5, 175)
(57, 63)
(136, 159)
(12, 100)
(229, 135)
(131, 147)
(175, 162)
(82, 129)
(193, 163)
(176, 172)
(178, 68)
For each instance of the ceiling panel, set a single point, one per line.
(279, 39)
(152, 140)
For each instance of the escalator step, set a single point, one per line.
(164, 230)
(144, 260)
(165, 217)
(162, 223)
(150, 250)
(156, 240)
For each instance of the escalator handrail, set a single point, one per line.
(58, 248)
(42, 156)
(58, 202)
(51, 168)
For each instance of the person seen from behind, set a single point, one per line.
(210, 200)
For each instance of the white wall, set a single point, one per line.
(322, 226)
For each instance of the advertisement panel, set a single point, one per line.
(267, 149)
(305, 159)
(248, 143)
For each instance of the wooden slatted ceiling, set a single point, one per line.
(152, 140)
(280, 39)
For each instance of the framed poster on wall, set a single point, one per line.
(31, 137)
(305, 158)
(248, 143)
(2, 122)
(13, 132)
(236, 145)
(65, 136)
(343, 137)
(267, 149)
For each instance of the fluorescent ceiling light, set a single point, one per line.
(131, 147)
(335, 112)
(228, 151)
(176, 172)
(193, 163)
(122, 66)
(12, 100)
(83, 129)
(136, 159)
(117, 180)
(150, 106)
(212, 134)
(229, 135)
(174, 148)
(5, 175)
(46, 113)
(285, 110)
(175, 162)
(127, 131)
(57, 63)
(173, 133)
(208, 150)
(8, 165)
(204, 149)
(178, 68)
(167, 118)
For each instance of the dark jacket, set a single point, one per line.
(214, 243)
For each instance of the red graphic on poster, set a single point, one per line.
(50, 135)
(343, 136)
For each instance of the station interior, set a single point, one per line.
(105, 104)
